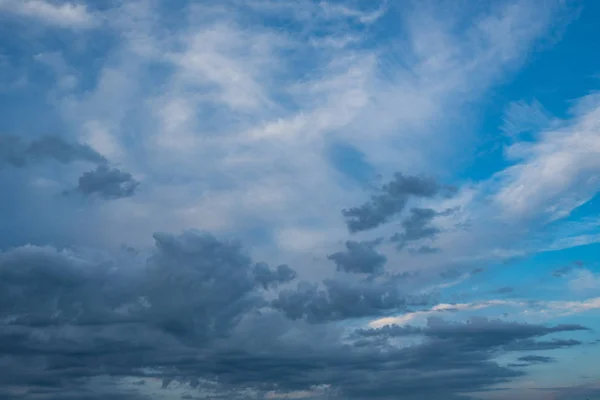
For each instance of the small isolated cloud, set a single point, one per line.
(536, 359)
(504, 290)
(390, 201)
(107, 183)
(562, 271)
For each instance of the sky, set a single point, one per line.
(299, 199)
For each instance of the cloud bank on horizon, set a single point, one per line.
(264, 199)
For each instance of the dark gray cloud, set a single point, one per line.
(341, 300)
(390, 201)
(536, 359)
(195, 312)
(418, 226)
(104, 181)
(505, 290)
(107, 183)
(19, 153)
(271, 278)
(360, 258)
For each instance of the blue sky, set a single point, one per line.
(197, 194)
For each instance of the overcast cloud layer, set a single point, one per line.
(285, 199)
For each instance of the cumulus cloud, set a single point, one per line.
(390, 201)
(107, 183)
(359, 257)
(340, 300)
(418, 226)
(268, 277)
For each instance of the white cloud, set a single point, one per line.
(234, 130)
(584, 280)
(537, 311)
(421, 316)
(557, 172)
(522, 117)
(60, 14)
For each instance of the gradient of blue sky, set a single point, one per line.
(261, 120)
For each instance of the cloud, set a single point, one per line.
(555, 173)
(562, 271)
(268, 277)
(584, 280)
(418, 226)
(543, 310)
(229, 121)
(17, 153)
(187, 313)
(531, 345)
(475, 332)
(391, 201)
(536, 359)
(525, 118)
(359, 257)
(346, 300)
(193, 309)
(63, 15)
(424, 250)
(107, 183)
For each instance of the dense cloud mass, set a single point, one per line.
(196, 310)
(390, 201)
